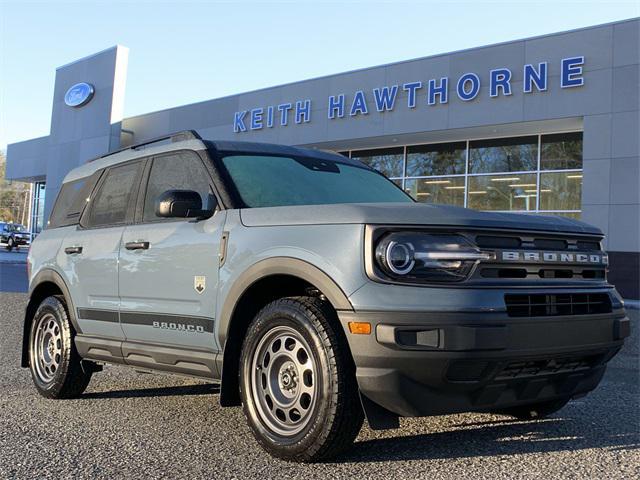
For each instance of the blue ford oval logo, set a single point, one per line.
(79, 94)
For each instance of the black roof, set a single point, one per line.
(240, 147)
(228, 146)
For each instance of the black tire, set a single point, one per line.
(536, 410)
(334, 414)
(55, 369)
(10, 244)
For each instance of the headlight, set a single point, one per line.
(417, 257)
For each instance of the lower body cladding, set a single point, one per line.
(430, 363)
(152, 355)
(144, 356)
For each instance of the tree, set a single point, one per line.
(14, 197)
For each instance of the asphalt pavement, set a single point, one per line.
(131, 425)
(13, 270)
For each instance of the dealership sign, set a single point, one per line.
(433, 92)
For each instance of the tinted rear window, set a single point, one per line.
(70, 202)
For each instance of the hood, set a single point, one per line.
(408, 214)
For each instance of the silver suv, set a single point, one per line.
(314, 291)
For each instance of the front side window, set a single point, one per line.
(176, 171)
(116, 195)
(269, 181)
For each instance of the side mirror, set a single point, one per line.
(181, 204)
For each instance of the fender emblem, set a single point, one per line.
(199, 283)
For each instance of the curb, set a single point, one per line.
(13, 262)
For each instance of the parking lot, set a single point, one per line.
(146, 426)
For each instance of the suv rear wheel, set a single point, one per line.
(297, 381)
(53, 359)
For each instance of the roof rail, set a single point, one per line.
(171, 138)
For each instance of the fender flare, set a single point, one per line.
(279, 266)
(45, 276)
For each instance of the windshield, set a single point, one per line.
(271, 181)
(17, 228)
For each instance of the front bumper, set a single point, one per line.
(431, 363)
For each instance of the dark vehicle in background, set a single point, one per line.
(14, 235)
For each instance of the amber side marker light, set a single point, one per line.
(360, 328)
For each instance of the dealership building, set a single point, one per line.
(545, 125)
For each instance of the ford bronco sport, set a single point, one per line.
(314, 290)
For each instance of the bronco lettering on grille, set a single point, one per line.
(556, 257)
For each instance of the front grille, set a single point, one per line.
(546, 367)
(545, 305)
(525, 242)
(544, 273)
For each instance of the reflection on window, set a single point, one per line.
(561, 151)
(437, 190)
(503, 192)
(505, 188)
(503, 155)
(37, 209)
(574, 215)
(436, 159)
(560, 191)
(388, 161)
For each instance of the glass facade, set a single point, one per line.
(37, 207)
(388, 161)
(535, 173)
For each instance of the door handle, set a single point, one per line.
(136, 245)
(72, 250)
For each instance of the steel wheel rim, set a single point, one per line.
(283, 381)
(47, 348)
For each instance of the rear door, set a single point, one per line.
(90, 253)
(169, 267)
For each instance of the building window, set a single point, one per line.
(436, 159)
(561, 151)
(37, 207)
(536, 173)
(560, 190)
(448, 190)
(518, 154)
(388, 161)
(503, 192)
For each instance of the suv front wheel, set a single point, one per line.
(297, 381)
(53, 359)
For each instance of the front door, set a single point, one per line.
(168, 272)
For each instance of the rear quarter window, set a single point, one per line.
(71, 201)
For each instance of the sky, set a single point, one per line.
(185, 52)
